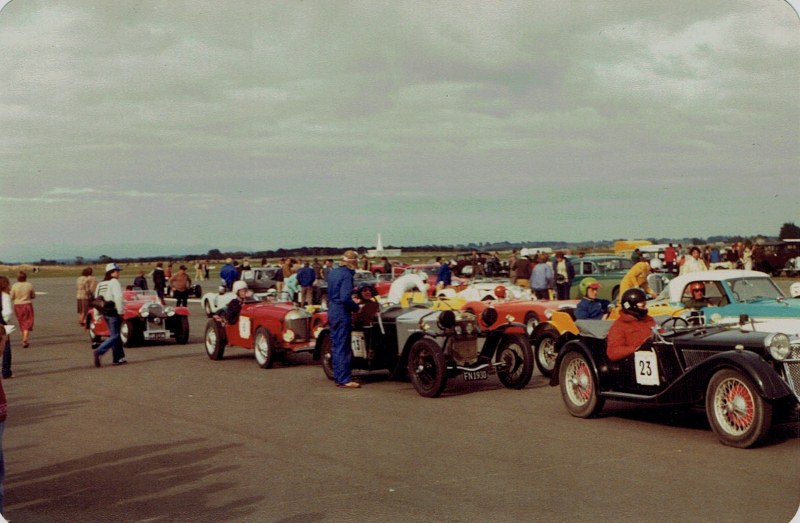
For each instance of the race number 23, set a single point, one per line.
(646, 368)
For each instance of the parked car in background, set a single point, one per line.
(775, 256)
(607, 270)
(744, 379)
(144, 319)
(260, 279)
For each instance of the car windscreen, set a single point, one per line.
(752, 289)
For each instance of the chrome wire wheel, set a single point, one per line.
(737, 414)
(579, 386)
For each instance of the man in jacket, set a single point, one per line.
(340, 309)
(306, 277)
(228, 273)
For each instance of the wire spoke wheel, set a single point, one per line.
(736, 413)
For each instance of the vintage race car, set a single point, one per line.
(144, 318)
(480, 289)
(431, 346)
(270, 329)
(214, 301)
(731, 293)
(742, 378)
(529, 312)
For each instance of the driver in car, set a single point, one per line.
(632, 328)
(698, 299)
(230, 313)
(367, 306)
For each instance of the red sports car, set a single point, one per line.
(270, 329)
(144, 318)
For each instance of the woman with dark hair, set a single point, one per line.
(6, 312)
(86, 285)
(22, 295)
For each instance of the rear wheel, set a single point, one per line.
(263, 348)
(426, 368)
(326, 356)
(516, 355)
(737, 414)
(214, 340)
(546, 352)
(579, 386)
(182, 331)
(198, 291)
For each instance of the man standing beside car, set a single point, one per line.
(111, 291)
(306, 277)
(565, 273)
(340, 309)
(180, 283)
(159, 281)
(444, 276)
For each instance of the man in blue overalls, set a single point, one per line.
(340, 309)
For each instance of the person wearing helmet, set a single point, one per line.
(230, 312)
(368, 308)
(632, 328)
(590, 307)
(637, 278)
(697, 298)
(500, 292)
(111, 291)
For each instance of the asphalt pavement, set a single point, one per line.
(175, 437)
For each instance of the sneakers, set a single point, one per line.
(96, 359)
(349, 385)
(123, 361)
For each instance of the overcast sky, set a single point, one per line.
(160, 127)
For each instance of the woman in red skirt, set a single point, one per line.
(22, 295)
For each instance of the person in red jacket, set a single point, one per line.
(632, 328)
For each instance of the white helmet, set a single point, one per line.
(794, 290)
(238, 286)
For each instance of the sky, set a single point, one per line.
(142, 128)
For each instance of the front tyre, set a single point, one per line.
(129, 332)
(516, 356)
(737, 414)
(579, 386)
(531, 321)
(263, 347)
(214, 340)
(182, 332)
(326, 356)
(426, 368)
(546, 352)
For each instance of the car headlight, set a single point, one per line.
(144, 311)
(169, 311)
(548, 314)
(470, 328)
(458, 330)
(288, 335)
(509, 318)
(779, 346)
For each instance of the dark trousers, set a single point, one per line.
(181, 298)
(562, 291)
(6, 356)
(341, 352)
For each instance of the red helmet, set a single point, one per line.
(698, 286)
(500, 291)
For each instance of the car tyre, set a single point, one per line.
(737, 414)
(182, 331)
(326, 355)
(214, 340)
(263, 347)
(130, 333)
(426, 368)
(198, 291)
(546, 352)
(531, 321)
(515, 352)
(94, 339)
(579, 386)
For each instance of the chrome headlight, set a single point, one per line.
(470, 328)
(509, 318)
(778, 345)
(169, 311)
(548, 314)
(288, 335)
(458, 330)
(144, 311)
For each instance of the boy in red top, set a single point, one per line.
(632, 328)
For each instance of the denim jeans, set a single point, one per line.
(114, 340)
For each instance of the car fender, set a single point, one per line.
(574, 345)
(769, 384)
(317, 353)
(495, 336)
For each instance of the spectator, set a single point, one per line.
(542, 278)
(632, 328)
(512, 270)
(180, 284)
(111, 291)
(86, 285)
(747, 256)
(22, 294)
(6, 313)
(159, 281)
(477, 263)
(387, 267)
(340, 308)
(522, 268)
(444, 276)
(305, 278)
(694, 262)
(366, 265)
(670, 257)
(564, 273)
(590, 307)
(636, 255)
(3, 414)
(198, 271)
(228, 273)
(140, 281)
(637, 278)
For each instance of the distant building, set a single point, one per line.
(379, 251)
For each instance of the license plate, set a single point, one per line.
(155, 335)
(475, 375)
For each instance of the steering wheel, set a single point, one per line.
(672, 322)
